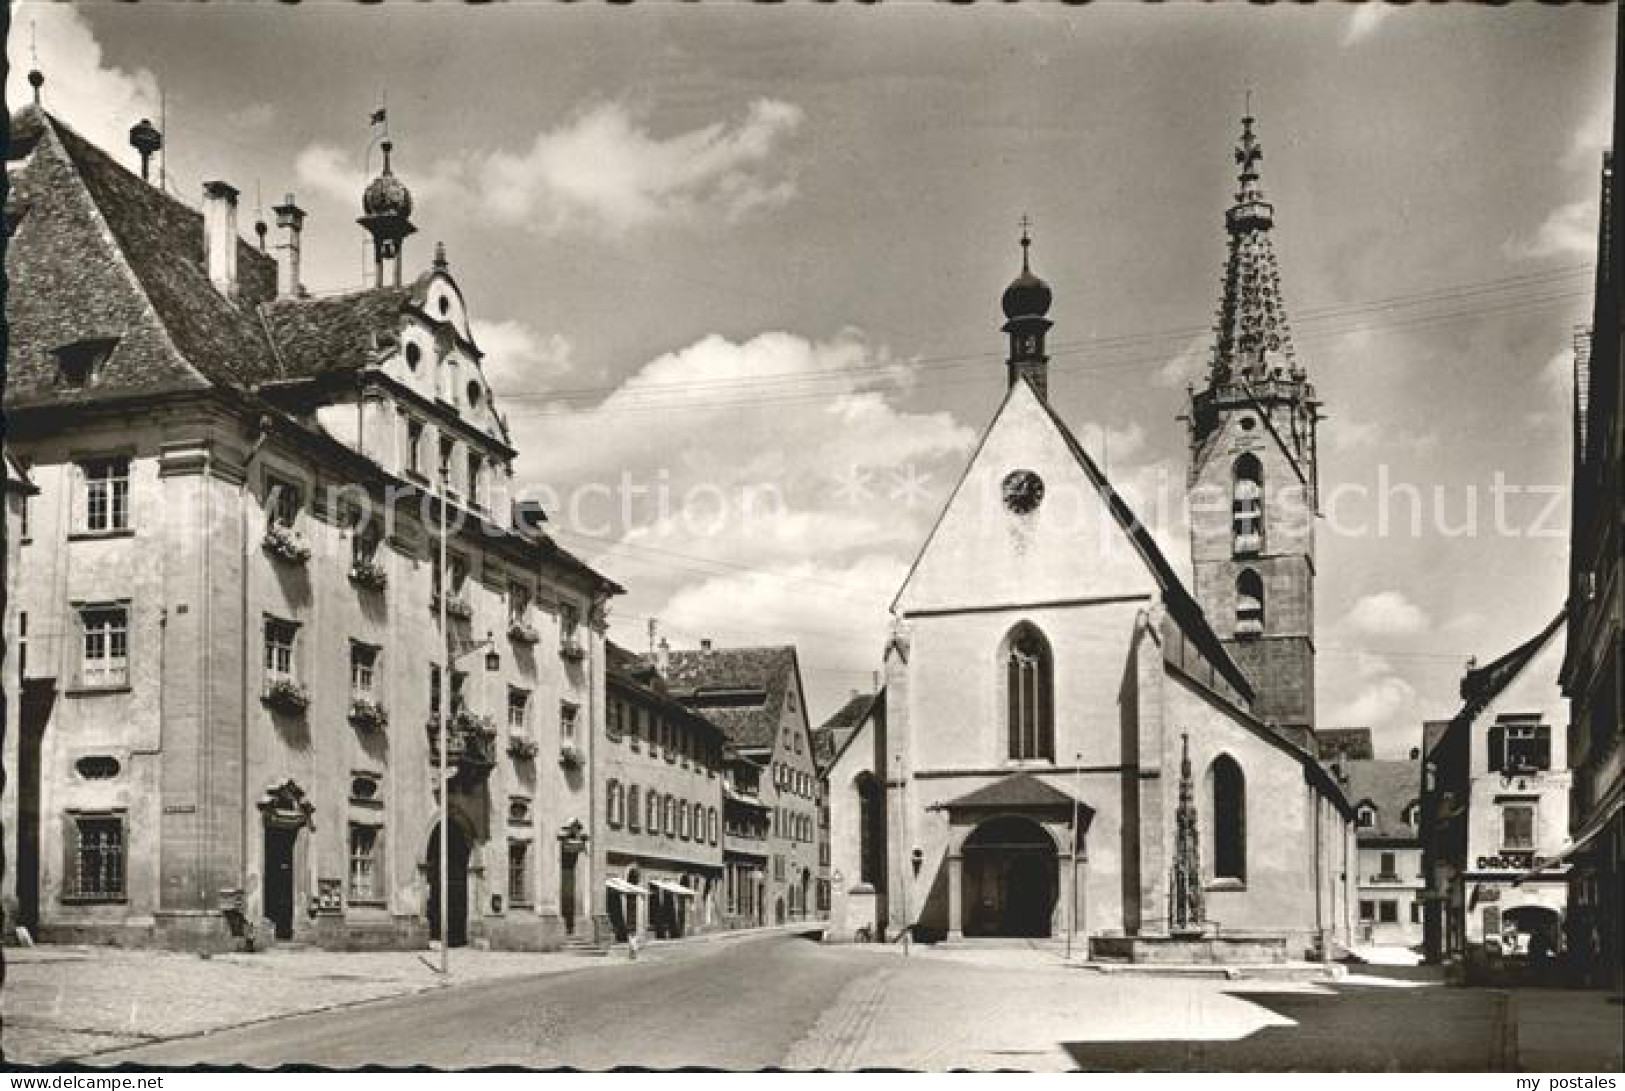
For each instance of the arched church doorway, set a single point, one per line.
(457, 853)
(1011, 879)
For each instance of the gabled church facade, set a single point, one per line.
(1048, 680)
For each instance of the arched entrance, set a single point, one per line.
(457, 852)
(1011, 879)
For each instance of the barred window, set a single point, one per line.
(97, 869)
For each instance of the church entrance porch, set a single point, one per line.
(1011, 879)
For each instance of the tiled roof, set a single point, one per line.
(1389, 786)
(108, 256)
(1344, 742)
(336, 333)
(739, 689)
(831, 735)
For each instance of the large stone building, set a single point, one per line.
(1495, 813)
(1050, 680)
(660, 774)
(234, 588)
(1591, 669)
(755, 695)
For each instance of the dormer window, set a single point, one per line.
(77, 363)
(1365, 817)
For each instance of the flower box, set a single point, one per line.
(286, 696)
(570, 756)
(368, 715)
(523, 632)
(521, 749)
(571, 648)
(458, 608)
(470, 739)
(368, 575)
(286, 544)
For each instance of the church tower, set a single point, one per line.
(1253, 484)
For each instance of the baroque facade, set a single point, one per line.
(235, 590)
(1049, 678)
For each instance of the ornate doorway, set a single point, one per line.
(1011, 879)
(284, 811)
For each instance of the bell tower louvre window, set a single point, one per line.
(1249, 604)
(1247, 507)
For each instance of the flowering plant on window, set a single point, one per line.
(286, 696)
(522, 632)
(285, 544)
(570, 756)
(522, 749)
(570, 648)
(368, 714)
(368, 575)
(457, 606)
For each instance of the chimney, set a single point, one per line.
(291, 219)
(663, 657)
(220, 236)
(705, 644)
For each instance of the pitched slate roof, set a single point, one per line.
(1344, 742)
(739, 689)
(1390, 787)
(106, 255)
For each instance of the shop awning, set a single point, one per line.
(672, 888)
(621, 886)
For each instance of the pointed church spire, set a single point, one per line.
(1254, 341)
(1026, 307)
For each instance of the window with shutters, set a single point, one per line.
(96, 867)
(1520, 744)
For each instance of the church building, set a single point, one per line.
(1071, 742)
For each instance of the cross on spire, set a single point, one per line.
(1026, 240)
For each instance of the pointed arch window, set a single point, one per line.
(1229, 799)
(1247, 507)
(1249, 604)
(1029, 685)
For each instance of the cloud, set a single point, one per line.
(256, 115)
(1187, 365)
(1558, 375)
(1386, 613)
(1386, 704)
(520, 359)
(604, 169)
(1569, 229)
(1591, 138)
(99, 102)
(1364, 21)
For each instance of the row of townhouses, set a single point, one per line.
(269, 596)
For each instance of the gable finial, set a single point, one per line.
(36, 78)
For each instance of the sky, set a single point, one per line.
(736, 271)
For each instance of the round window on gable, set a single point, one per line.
(1248, 424)
(97, 767)
(414, 354)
